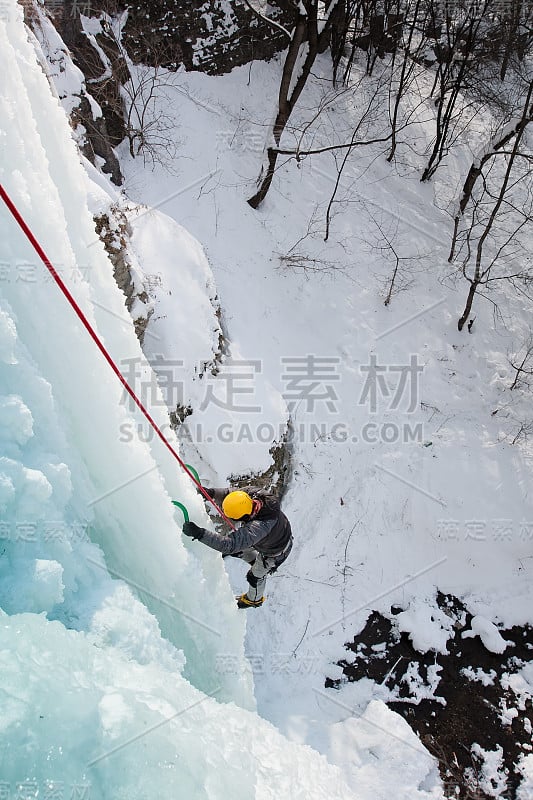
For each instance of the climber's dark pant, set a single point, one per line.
(261, 567)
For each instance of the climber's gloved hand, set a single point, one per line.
(193, 530)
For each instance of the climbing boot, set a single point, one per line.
(244, 602)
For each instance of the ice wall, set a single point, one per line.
(124, 493)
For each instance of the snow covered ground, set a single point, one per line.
(403, 479)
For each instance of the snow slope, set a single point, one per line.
(392, 495)
(186, 349)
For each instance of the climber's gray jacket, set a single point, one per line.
(268, 532)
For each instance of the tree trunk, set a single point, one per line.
(463, 47)
(404, 76)
(476, 167)
(479, 275)
(284, 107)
(468, 187)
(468, 306)
(306, 29)
(515, 9)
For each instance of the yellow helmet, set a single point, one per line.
(237, 504)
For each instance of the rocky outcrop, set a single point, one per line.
(85, 78)
(105, 70)
(211, 36)
(114, 232)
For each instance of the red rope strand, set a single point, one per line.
(94, 336)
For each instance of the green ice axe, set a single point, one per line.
(182, 509)
(180, 505)
(192, 469)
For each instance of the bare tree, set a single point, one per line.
(149, 128)
(524, 432)
(522, 363)
(301, 259)
(309, 37)
(457, 63)
(515, 26)
(358, 139)
(397, 247)
(413, 23)
(483, 265)
(138, 93)
(373, 26)
(502, 138)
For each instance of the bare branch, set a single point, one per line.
(266, 19)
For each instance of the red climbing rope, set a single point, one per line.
(92, 333)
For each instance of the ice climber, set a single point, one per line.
(263, 537)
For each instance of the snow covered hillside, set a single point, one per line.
(404, 478)
(127, 670)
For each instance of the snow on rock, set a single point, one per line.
(508, 714)
(429, 628)
(225, 399)
(185, 325)
(527, 674)
(67, 79)
(101, 194)
(488, 633)
(492, 775)
(420, 688)
(521, 684)
(479, 674)
(525, 790)
(376, 748)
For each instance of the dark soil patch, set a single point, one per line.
(472, 712)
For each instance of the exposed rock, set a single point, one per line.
(460, 703)
(97, 140)
(96, 116)
(276, 477)
(104, 81)
(114, 234)
(211, 36)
